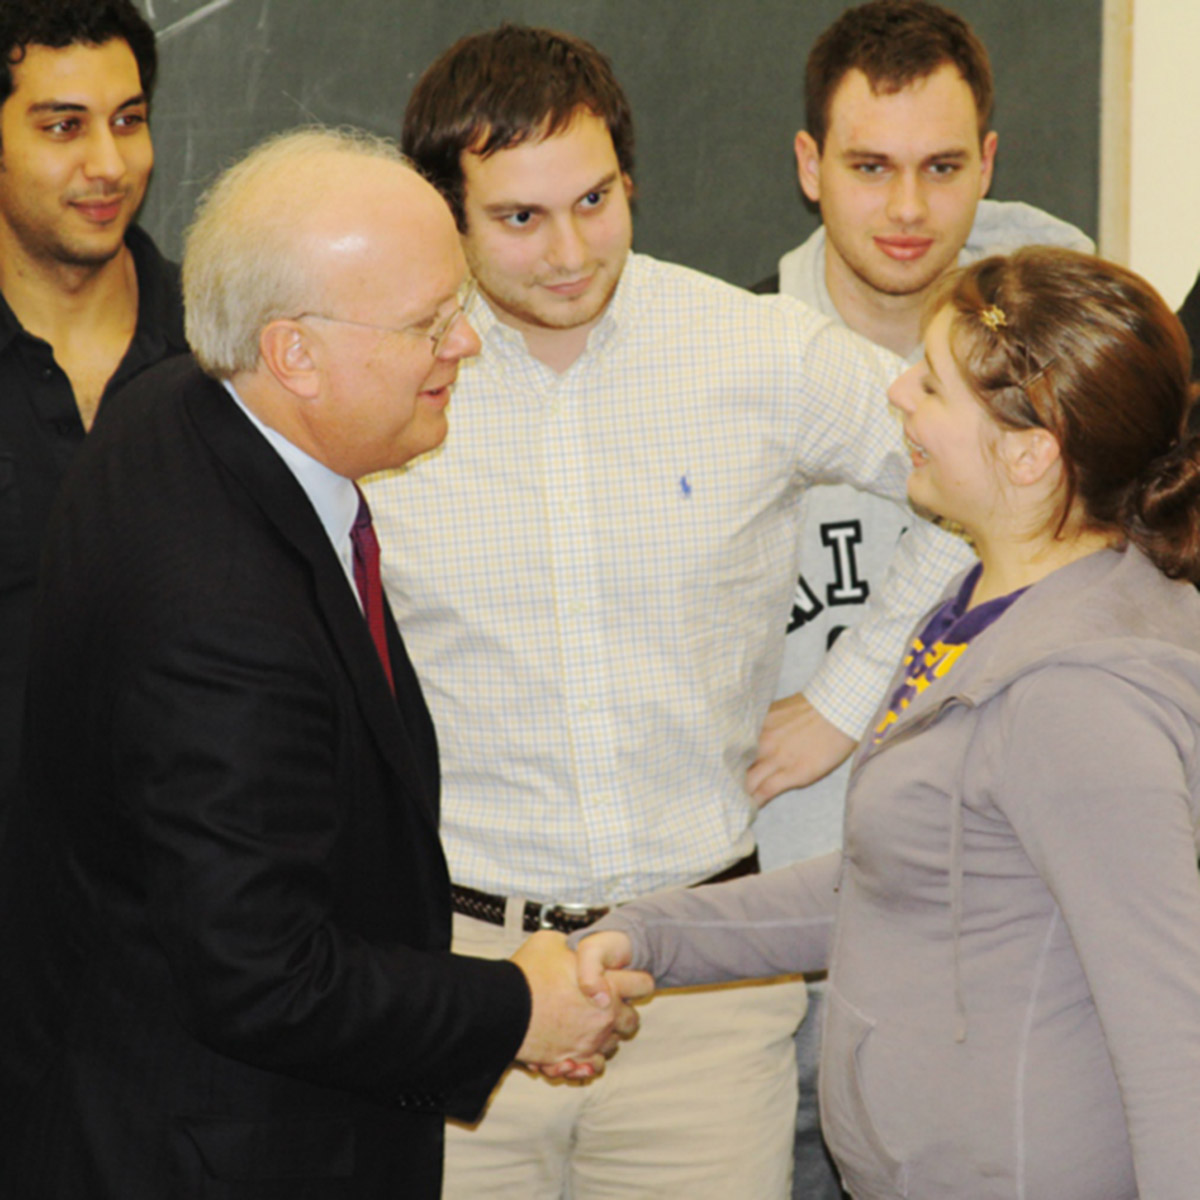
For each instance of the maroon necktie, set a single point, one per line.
(366, 579)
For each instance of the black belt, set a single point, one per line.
(566, 918)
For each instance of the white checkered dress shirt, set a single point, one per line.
(593, 577)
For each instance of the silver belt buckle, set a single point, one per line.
(571, 910)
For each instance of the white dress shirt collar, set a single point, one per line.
(333, 496)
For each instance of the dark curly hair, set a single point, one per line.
(494, 90)
(61, 23)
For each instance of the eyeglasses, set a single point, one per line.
(437, 335)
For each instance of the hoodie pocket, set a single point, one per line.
(869, 1168)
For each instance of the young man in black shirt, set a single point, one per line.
(86, 300)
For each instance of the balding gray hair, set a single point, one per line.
(244, 259)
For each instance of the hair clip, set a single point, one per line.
(993, 317)
(1029, 380)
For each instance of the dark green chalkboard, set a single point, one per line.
(716, 87)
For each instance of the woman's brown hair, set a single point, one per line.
(1052, 339)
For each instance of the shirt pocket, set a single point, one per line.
(18, 558)
(16, 561)
(868, 1166)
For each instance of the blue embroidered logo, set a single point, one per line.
(685, 488)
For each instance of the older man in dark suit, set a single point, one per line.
(224, 912)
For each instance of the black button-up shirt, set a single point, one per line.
(40, 431)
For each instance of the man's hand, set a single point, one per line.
(571, 1033)
(797, 747)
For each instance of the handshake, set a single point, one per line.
(581, 1007)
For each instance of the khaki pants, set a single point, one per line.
(700, 1104)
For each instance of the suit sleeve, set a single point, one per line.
(229, 752)
(1096, 784)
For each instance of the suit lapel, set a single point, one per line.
(400, 725)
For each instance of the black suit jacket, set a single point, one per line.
(224, 910)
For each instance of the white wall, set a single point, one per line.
(1164, 145)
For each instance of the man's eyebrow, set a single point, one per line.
(599, 185)
(511, 206)
(55, 106)
(501, 207)
(955, 154)
(71, 106)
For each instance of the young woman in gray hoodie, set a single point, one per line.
(1012, 931)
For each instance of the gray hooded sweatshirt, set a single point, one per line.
(1013, 927)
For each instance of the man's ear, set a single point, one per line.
(1030, 456)
(808, 165)
(987, 160)
(287, 351)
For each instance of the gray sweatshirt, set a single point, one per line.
(1013, 928)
